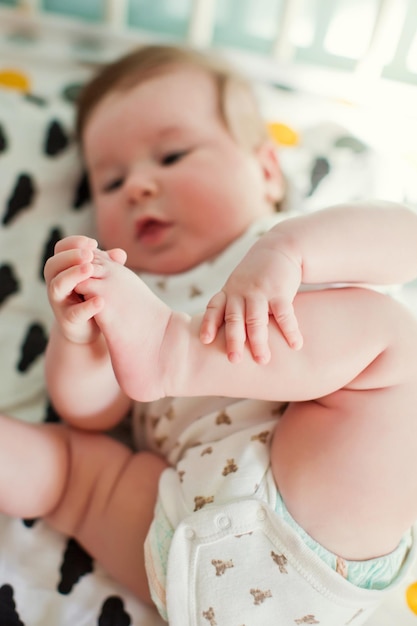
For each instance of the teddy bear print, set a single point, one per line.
(223, 418)
(170, 414)
(230, 467)
(208, 450)
(281, 560)
(307, 619)
(154, 420)
(261, 437)
(195, 292)
(209, 615)
(221, 566)
(260, 596)
(201, 501)
(159, 441)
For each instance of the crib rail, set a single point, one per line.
(388, 39)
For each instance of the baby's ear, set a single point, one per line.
(273, 177)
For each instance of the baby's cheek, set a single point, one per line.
(109, 222)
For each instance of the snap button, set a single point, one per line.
(223, 522)
(189, 533)
(261, 514)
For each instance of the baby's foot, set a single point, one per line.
(134, 322)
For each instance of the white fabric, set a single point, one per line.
(232, 558)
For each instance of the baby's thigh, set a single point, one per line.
(108, 504)
(346, 471)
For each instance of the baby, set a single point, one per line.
(229, 499)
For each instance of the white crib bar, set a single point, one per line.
(372, 63)
(201, 26)
(283, 49)
(32, 7)
(115, 13)
(201, 23)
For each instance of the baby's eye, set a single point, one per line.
(113, 185)
(173, 157)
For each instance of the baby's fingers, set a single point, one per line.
(288, 324)
(85, 310)
(64, 260)
(62, 286)
(78, 324)
(213, 317)
(235, 330)
(257, 320)
(75, 241)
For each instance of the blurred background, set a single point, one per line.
(361, 53)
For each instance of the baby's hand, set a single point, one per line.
(264, 284)
(72, 264)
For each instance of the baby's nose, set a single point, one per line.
(139, 186)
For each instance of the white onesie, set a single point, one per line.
(217, 551)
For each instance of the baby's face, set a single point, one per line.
(170, 184)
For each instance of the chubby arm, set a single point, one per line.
(373, 242)
(81, 383)
(79, 374)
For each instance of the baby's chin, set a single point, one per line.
(170, 265)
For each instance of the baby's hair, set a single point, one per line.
(238, 106)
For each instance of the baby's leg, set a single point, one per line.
(345, 464)
(108, 505)
(85, 485)
(33, 467)
(134, 322)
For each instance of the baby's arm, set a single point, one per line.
(372, 242)
(79, 374)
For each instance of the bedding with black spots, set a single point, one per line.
(40, 202)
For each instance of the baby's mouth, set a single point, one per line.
(151, 230)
